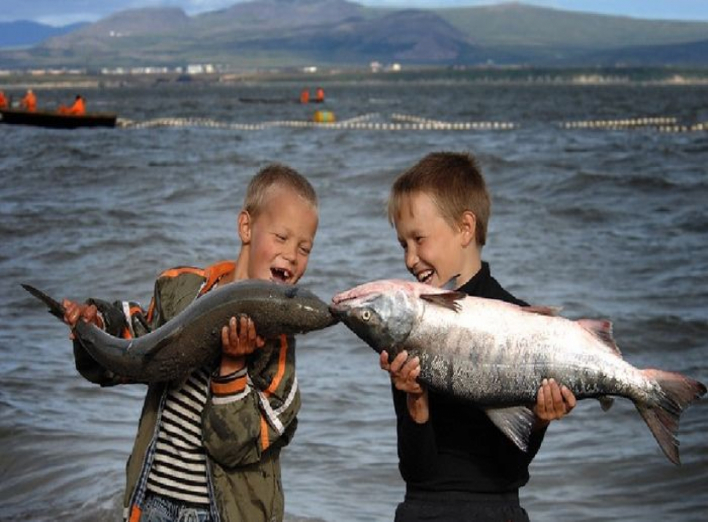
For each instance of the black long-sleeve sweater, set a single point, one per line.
(459, 450)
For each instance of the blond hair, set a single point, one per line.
(455, 184)
(272, 175)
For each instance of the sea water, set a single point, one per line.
(607, 222)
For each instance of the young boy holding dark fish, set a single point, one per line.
(209, 446)
(456, 463)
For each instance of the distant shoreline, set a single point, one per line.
(667, 76)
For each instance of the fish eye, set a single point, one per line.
(366, 315)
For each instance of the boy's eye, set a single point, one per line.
(280, 237)
(419, 239)
(305, 251)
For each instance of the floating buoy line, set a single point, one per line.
(662, 124)
(406, 122)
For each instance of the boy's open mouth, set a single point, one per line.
(425, 276)
(280, 274)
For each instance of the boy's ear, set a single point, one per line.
(244, 226)
(468, 227)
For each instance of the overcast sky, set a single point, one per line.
(61, 12)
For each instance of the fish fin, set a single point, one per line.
(675, 393)
(515, 422)
(551, 311)
(606, 402)
(55, 308)
(602, 329)
(446, 299)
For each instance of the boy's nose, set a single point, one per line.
(411, 259)
(290, 253)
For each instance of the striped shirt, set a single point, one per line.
(179, 469)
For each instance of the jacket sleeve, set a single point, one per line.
(254, 410)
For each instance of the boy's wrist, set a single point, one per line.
(231, 364)
(418, 406)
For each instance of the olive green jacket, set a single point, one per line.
(246, 421)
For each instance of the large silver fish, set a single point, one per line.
(193, 337)
(496, 354)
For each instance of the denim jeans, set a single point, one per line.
(162, 509)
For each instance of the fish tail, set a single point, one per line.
(675, 393)
(55, 308)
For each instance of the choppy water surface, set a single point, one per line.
(606, 223)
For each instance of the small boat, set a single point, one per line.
(55, 120)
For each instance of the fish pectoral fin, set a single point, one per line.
(515, 422)
(447, 299)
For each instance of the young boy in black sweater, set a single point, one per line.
(456, 464)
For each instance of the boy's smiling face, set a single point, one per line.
(280, 238)
(435, 251)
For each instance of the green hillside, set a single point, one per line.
(281, 33)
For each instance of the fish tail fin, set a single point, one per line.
(55, 308)
(676, 392)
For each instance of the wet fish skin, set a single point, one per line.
(496, 354)
(193, 337)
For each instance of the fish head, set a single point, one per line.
(382, 317)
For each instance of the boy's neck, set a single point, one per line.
(240, 270)
(470, 270)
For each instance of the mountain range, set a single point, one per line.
(274, 33)
(25, 33)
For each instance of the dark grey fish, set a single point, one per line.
(496, 354)
(193, 337)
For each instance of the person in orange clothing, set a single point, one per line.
(305, 96)
(3, 100)
(77, 109)
(319, 94)
(29, 102)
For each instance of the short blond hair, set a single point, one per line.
(454, 182)
(282, 176)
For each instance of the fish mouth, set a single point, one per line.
(338, 310)
(342, 297)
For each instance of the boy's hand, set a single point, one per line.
(238, 339)
(553, 402)
(404, 373)
(74, 311)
